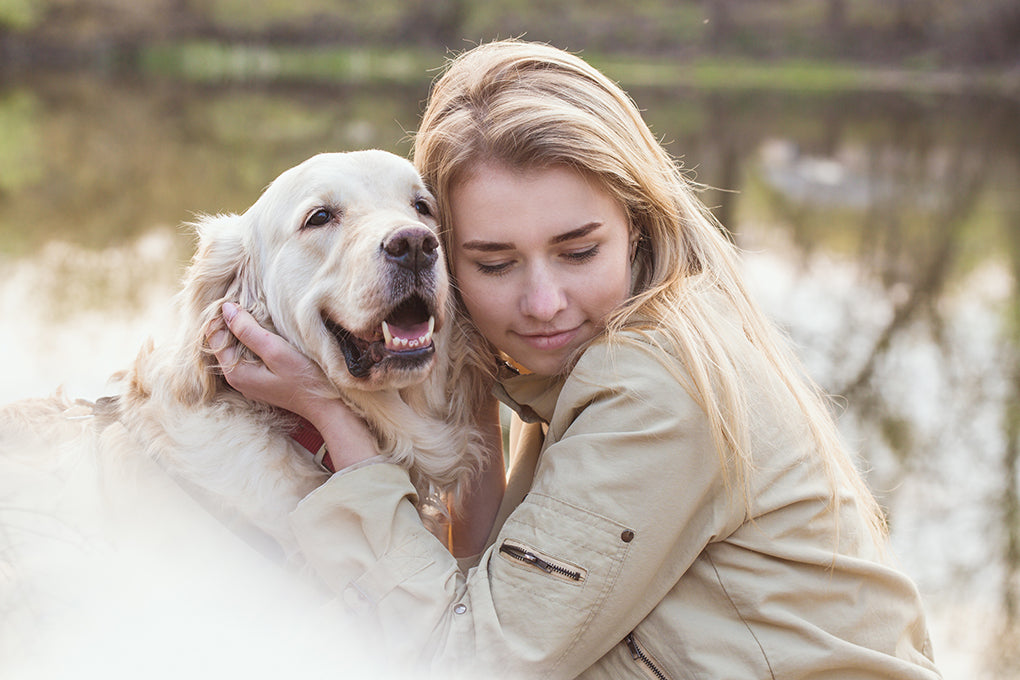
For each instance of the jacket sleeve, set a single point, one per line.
(626, 495)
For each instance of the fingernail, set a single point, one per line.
(229, 311)
(217, 340)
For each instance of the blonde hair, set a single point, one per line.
(530, 105)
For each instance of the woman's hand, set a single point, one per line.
(289, 380)
(285, 378)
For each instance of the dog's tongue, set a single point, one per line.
(400, 338)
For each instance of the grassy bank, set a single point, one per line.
(211, 62)
(802, 76)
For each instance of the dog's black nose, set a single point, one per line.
(414, 248)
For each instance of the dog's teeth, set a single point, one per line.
(398, 342)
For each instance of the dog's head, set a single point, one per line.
(339, 256)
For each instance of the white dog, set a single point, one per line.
(340, 257)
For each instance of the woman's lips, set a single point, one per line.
(550, 340)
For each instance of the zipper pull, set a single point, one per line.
(539, 562)
(528, 557)
(635, 651)
(646, 661)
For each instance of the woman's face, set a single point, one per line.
(541, 257)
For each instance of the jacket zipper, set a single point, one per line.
(642, 658)
(525, 556)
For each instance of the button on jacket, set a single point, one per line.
(622, 548)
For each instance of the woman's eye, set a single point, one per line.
(422, 206)
(578, 256)
(493, 269)
(319, 218)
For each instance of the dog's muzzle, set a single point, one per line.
(403, 339)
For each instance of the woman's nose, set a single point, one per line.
(544, 295)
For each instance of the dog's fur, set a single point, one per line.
(333, 247)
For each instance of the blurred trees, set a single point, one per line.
(934, 32)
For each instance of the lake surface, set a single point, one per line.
(881, 230)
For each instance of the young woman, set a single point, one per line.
(678, 503)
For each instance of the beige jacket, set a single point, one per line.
(620, 551)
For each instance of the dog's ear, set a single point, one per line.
(223, 269)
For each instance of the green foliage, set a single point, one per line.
(19, 15)
(19, 142)
(869, 30)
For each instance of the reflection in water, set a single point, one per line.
(840, 181)
(74, 316)
(880, 230)
(917, 346)
(99, 159)
(929, 428)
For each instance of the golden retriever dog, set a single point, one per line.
(339, 256)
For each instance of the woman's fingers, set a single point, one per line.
(285, 377)
(250, 334)
(223, 349)
(288, 379)
(275, 352)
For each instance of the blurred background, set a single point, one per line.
(864, 153)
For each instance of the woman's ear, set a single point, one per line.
(641, 264)
(635, 238)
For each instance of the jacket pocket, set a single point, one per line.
(644, 660)
(529, 558)
(548, 576)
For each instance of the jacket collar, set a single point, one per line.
(533, 397)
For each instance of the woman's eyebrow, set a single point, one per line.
(498, 246)
(580, 232)
(486, 246)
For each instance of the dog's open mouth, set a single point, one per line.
(404, 337)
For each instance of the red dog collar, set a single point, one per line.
(305, 434)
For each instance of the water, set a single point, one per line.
(882, 231)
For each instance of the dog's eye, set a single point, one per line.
(319, 218)
(422, 206)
